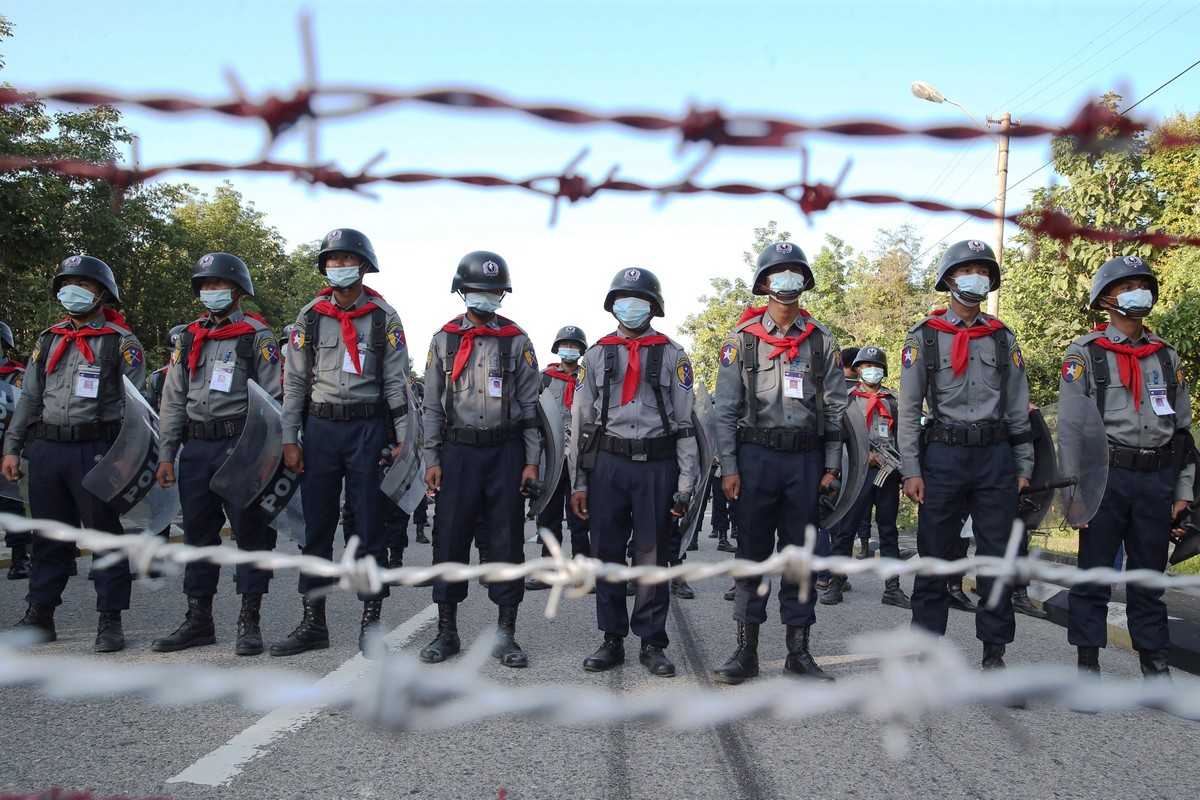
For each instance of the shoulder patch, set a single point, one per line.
(837, 356)
(132, 353)
(1017, 359)
(1179, 376)
(530, 356)
(683, 372)
(429, 359)
(269, 350)
(395, 336)
(19, 379)
(37, 351)
(908, 355)
(297, 338)
(174, 356)
(1073, 367)
(580, 374)
(729, 352)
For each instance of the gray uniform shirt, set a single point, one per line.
(318, 373)
(972, 397)
(53, 397)
(1124, 424)
(199, 397)
(876, 434)
(774, 408)
(639, 418)
(474, 403)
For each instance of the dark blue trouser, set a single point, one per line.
(1135, 512)
(56, 471)
(778, 502)
(337, 450)
(203, 513)
(14, 538)
(481, 486)
(552, 518)
(886, 502)
(959, 480)
(395, 524)
(631, 500)
(722, 509)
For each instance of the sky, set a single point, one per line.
(816, 62)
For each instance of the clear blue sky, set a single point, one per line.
(814, 61)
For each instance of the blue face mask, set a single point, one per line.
(76, 300)
(342, 277)
(216, 300)
(632, 312)
(788, 285)
(569, 353)
(971, 289)
(872, 376)
(1135, 303)
(483, 302)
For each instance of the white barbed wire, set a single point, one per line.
(576, 577)
(402, 694)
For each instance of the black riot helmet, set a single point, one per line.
(569, 333)
(1116, 269)
(970, 251)
(351, 241)
(640, 282)
(173, 335)
(871, 355)
(481, 271)
(780, 254)
(88, 267)
(223, 265)
(6, 337)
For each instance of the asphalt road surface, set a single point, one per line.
(125, 745)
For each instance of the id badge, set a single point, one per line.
(495, 383)
(348, 364)
(793, 384)
(222, 378)
(881, 428)
(1159, 402)
(87, 382)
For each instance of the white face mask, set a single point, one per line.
(569, 353)
(872, 376)
(216, 300)
(972, 289)
(342, 277)
(1135, 303)
(483, 302)
(76, 299)
(632, 312)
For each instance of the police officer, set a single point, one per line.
(1136, 381)
(975, 452)
(344, 386)
(12, 372)
(204, 406)
(878, 405)
(481, 446)
(637, 462)
(559, 379)
(154, 383)
(74, 400)
(781, 396)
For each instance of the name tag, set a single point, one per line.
(495, 383)
(222, 378)
(1159, 402)
(793, 384)
(87, 382)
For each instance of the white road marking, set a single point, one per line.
(222, 765)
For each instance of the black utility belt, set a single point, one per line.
(88, 432)
(789, 440)
(217, 429)
(480, 438)
(969, 435)
(659, 448)
(348, 410)
(1140, 460)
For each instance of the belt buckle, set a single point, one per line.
(789, 440)
(642, 456)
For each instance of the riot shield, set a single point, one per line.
(1082, 459)
(404, 481)
(554, 448)
(9, 396)
(254, 477)
(856, 454)
(1036, 500)
(704, 420)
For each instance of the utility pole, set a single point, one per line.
(1005, 122)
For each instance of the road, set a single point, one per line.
(127, 746)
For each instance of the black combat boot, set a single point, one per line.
(39, 619)
(833, 593)
(507, 649)
(655, 661)
(110, 636)
(958, 598)
(864, 549)
(1023, 605)
(893, 595)
(1089, 660)
(732, 593)
(370, 623)
(695, 543)
(712, 535)
(197, 628)
(421, 537)
(993, 656)
(447, 642)
(395, 557)
(799, 661)
(609, 655)
(311, 634)
(743, 663)
(485, 557)
(249, 637)
(18, 565)
(1154, 663)
(679, 586)
(723, 543)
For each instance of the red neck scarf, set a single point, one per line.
(782, 344)
(1127, 362)
(556, 371)
(874, 401)
(346, 318)
(959, 352)
(633, 370)
(468, 339)
(11, 367)
(200, 333)
(79, 336)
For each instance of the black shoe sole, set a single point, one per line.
(175, 648)
(314, 646)
(596, 666)
(248, 651)
(734, 680)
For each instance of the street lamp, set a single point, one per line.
(924, 91)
